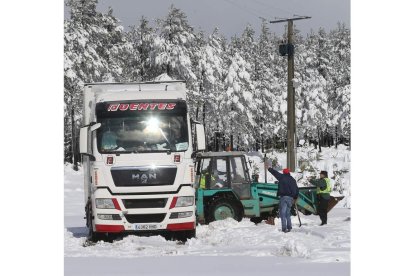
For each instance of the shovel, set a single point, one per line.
(297, 212)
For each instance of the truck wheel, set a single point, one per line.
(183, 236)
(222, 208)
(95, 237)
(92, 236)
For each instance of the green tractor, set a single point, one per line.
(224, 189)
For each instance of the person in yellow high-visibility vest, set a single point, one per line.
(206, 177)
(323, 191)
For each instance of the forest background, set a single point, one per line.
(236, 87)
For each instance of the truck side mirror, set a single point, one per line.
(85, 135)
(200, 137)
(83, 140)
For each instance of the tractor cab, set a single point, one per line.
(223, 170)
(222, 183)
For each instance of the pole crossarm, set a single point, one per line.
(290, 19)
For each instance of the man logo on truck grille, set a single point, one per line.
(143, 178)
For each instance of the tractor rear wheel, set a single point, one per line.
(222, 208)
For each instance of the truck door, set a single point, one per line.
(240, 181)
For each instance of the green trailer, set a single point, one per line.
(224, 189)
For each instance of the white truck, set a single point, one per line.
(137, 150)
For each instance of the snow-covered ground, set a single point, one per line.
(224, 247)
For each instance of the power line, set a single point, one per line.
(244, 9)
(266, 11)
(271, 6)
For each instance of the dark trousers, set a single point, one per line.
(323, 209)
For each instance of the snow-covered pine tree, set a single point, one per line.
(342, 117)
(266, 86)
(239, 106)
(115, 47)
(142, 38)
(82, 63)
(213, 73)
(197, 86)
(311, 95)
(94, 51)
(247, 47)
(339, 88)
(173, 51)
(325, 68)
(279, 70)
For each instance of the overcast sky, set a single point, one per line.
(232, 16)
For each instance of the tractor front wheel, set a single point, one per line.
(222, 208)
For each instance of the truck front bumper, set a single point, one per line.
(134, 219)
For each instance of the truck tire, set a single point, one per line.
(95, 237)
(183, 236)
(92, 236)
(222, 208)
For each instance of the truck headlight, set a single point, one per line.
(109, 217)
(178, 215)
(104, 203)
(184, 201)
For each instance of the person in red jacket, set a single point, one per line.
(288, 192)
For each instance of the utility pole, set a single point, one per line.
(291, 115)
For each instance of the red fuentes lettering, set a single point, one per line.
(141, 106)
(153, 106)
(113, 107)
(171, 106)
(133, 106)
(162, 106)
(123, 107)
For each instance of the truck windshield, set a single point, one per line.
(126, 130)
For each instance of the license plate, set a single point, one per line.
(145, 226)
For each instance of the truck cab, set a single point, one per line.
(137, 148)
